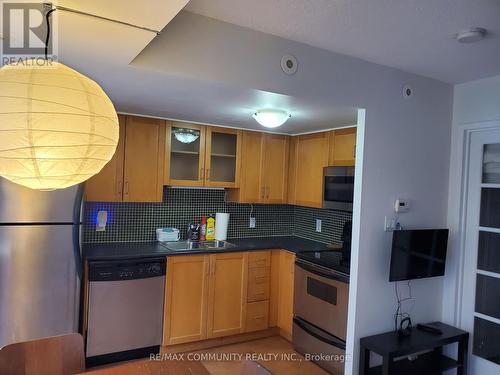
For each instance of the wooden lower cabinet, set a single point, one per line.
(217, 295)
(286, 272)
(186, 298)
(227, 294)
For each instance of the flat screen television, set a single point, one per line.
(418, 253)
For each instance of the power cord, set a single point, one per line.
(399, 315)
(47, 19)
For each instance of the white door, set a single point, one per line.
(480, 313)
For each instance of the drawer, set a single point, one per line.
(257, 316)
(259, 259)
(258, 284)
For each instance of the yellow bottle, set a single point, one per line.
(210, 228)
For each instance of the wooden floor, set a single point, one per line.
(259, 349)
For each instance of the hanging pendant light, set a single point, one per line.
(57, 127)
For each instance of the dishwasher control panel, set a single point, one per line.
(127, 269)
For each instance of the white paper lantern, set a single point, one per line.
(57, 127)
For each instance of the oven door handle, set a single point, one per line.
(306, 266)
(323, 336)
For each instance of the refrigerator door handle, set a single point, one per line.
(318, 333)
(77, 220)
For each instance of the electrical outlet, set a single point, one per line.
(252, 223)
(318, 225)
(389, 224)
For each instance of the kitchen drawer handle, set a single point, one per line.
(260, 261)
(258, 317)
(258, 294)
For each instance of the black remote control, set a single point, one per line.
(429, 329)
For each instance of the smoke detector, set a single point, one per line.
(472, 35)
(289, 64)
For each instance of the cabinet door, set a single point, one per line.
(343, 147)
(275, 168)
(222, 157)
(227, 294)
(292, 170)
(107, 185)
(185, 155)
(285, 293)
(251, 188)
(311, 156)
(186, 296)
(144, 160)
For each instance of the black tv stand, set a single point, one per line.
(398, 353)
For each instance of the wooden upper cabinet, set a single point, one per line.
(343, 147)
(185, 162)
(309, 156)
(186, 298)
(227, 294)
(211, 159)
(250, 190)
(275, 168)
(135, 173)
(264, 169)
(222, 157)
(144, 158)
(107, 185)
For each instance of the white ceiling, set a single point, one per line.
(103, 51)
(413, 35)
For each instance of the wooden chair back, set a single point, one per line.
(57, 355)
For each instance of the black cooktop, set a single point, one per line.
(329, 259)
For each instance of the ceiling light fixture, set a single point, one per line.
(472, 35)
(271, 118)
(186, 135)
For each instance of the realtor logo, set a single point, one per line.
(24, 31)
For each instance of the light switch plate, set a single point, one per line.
(318, 225)
(252, 223)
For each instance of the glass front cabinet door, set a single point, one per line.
(185, 154)
(222, 157)
(199, 155)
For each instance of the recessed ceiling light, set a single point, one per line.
(472, 35)
(271, 118)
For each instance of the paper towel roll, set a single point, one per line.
(221, 223)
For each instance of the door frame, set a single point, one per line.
(457, 216)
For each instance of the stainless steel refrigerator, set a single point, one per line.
(40, 262)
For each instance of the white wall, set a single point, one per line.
(406, 151)
(476, 104)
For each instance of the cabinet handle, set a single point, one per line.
(267, 192)
(126, 187)
(207, 175)
(262, 192)
(201, 174)
(119, 188)
(258, 317)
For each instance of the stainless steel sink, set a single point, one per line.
(197, 245)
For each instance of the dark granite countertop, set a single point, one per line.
(127, 250)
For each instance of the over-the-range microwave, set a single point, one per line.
(338, 188)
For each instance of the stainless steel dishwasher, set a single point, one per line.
(125, 309)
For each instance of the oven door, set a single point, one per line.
(321, 296)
